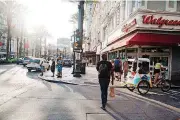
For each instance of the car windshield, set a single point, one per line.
(26, 58)
(36, 61)
(66, 60)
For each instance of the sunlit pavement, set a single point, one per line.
(25, 97)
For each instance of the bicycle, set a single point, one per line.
(162, 82)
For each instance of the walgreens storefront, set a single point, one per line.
(149, 34)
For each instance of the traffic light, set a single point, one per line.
(78, 35)
(78, 44)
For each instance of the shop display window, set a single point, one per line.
(156, 50)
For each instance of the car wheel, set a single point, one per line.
(29, 70)
(24, 65)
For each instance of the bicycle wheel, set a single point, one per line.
(143, 87)
(130, 87)
(165, 85)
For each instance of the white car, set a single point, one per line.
(35, 64)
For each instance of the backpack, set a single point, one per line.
(103, 69)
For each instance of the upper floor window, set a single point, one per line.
(156, 5)
(118, 16)
(178, 6)
(143, 3)
(171, 3)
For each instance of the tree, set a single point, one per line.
(12, 9)
(41, 33)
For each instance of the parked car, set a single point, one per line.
(67, 62)
(35, 64)
(2, 60)
(26, 61)
(19, 61)
(12, 60)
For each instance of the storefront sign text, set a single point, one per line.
(150, 19)
(127, 27)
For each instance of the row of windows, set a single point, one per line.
(122, 11)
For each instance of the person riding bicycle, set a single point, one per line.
(157, 70)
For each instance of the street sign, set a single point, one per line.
(78, 50)
(78, 56)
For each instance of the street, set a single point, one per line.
(23, 96)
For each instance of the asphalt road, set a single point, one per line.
(25, 97)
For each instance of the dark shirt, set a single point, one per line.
(53, 66)
(109, 65)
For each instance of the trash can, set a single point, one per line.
(83, 68)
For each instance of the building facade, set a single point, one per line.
(140, 28)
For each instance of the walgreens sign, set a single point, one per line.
(160, 21)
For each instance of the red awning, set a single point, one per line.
(154, 39)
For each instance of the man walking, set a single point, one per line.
(104, 68)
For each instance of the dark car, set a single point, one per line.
(19, 61)
(67, 63)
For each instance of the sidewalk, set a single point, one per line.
(90, 78)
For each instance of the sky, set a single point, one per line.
(53, 14)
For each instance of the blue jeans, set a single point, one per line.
(104, 84)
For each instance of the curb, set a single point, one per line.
(63, 82)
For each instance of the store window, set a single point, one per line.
(156, 50)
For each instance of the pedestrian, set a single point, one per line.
(104, 69)
(87, 61)
(42, 68)
(112, 72)
(90, 61)
(118, 68)
(125, 68)
(53, 67)
(59, 67)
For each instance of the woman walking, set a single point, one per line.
(59, 67)
(53, 67)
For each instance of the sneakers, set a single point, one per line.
(103, 108)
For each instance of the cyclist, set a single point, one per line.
(157, 70)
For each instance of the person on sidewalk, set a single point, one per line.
(59, 67)
(118, 68)
(125, 68)
(53, 67)
(112, 72)
(42, 69)
(104, 68)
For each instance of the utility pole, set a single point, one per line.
(40, 47)
(45, 50)
(24, 47)
(79, 40)
(17, 47)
